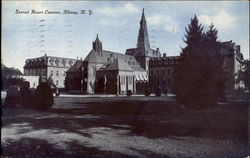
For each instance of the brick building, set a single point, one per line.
(161, 72)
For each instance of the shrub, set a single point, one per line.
(158, 92)
(129, 93)
(147, 92)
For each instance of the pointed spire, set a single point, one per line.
(97, 45)
(143, 40)
(97, 38)
(143, 16)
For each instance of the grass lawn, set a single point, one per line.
(122, 127)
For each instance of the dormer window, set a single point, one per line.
(63, 62)
(70, 63)
(57, 62)
(51, 61)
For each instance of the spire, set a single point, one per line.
(143, 16)
(97, 45)
(143, 40)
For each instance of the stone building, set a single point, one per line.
(143, 52)
(161, 72)
(48, 66)
(162, 68)
(89, 73)
(233, 64)
(121, 72)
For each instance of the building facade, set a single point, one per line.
(121, 72)
(161, 72)
(233, 64)
(49, 67)
(143, 53)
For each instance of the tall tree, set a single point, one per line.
(197, 75)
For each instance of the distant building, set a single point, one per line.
(110, 72)
(233, 64)
(161, 72)
(99, 63)
(143, 52)
(48, 67)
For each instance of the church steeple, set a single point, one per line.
(97, 45)
(143, 40)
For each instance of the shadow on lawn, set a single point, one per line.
(30, 147)
(152, 119)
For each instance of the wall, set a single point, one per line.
(33, 80)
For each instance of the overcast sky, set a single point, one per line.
(117, 23)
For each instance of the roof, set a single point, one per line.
(107, 57)
(117, 65)
(138, 52)
(76, 67)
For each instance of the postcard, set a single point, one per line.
(125, 79)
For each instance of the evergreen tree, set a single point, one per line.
(197, 75)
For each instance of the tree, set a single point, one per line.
(10, 77)
(199, 75)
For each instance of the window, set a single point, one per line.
(63, 62)
(169, 82)
(163, 82)
(70, 63)
(57, 62)
(51, 73)
(163, 72)
(57, 82)
(34, 84)
(57, 73)
(64, 73)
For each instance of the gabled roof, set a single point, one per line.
(76, 67)
(104, 56)
(117, 65)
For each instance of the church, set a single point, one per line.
(110, 72)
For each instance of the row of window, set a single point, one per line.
(35, 72)
(57, 62)
(163, 82)
(57, 73)
(161, 72)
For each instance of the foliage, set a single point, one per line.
(158, 91)
(129, 93)
(199, 77)
(10, 77)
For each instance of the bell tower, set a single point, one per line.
(97, 45)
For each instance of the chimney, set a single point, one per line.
(164, 55)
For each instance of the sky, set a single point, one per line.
(116, 23)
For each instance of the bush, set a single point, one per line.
(147, 92)
(44, 96)
(129, 93)
(158, 92)
(11, 97)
